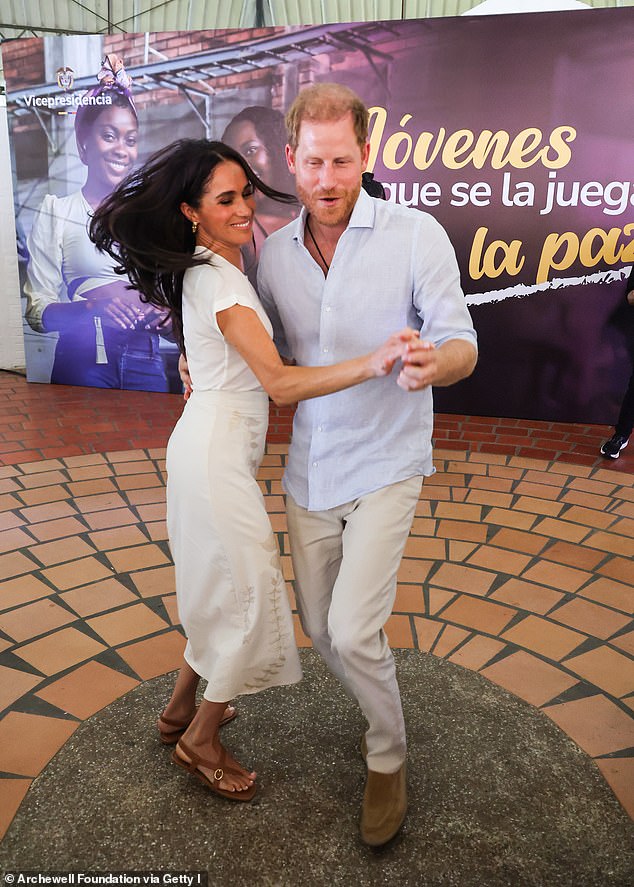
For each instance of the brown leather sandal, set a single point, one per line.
(219, 770)
(171, 737)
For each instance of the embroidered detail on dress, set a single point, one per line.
(278, 634)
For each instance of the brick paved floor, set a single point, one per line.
(519, 566)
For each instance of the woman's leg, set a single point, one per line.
(181, 707)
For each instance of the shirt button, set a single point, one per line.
(325, 351)
(327, 307)
(315, 464)
(320, 428)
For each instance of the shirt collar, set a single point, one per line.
(362, 216)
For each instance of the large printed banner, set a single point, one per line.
(515, 131)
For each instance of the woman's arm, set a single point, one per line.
(243, 329)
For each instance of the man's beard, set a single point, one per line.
(329, 217)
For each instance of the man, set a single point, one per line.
(349, 271)
(611, 449)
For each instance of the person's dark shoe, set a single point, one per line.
(384, 806)
(611, 449)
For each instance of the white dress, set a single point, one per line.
(231, 595)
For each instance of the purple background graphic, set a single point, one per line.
(559, 353)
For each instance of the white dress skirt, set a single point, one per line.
(232, 598)
(231, 594)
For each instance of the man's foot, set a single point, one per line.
(384, 806)
(611, 449)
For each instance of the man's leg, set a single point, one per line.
(316, 549)
(376, 530)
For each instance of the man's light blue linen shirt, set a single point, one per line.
(393, 267)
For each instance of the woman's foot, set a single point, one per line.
(219, 770)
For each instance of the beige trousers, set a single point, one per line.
(345, 562)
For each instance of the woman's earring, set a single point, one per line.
(194, 227)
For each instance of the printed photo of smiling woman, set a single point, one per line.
(107, 337)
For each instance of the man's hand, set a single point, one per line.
(424, 364)
(186, 379)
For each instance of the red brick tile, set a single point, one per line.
(518, 540)
(34, 619)
(57, 529)
(480, 615)
(619, 568)
(605, 668)
(15, 564)
(12, 792)
(399, 632)
(427, 630)
(535, 505)
(477, 652)
(412, 570)
(87, 689)
(43, 495)
(60, 650)
(619, 774)
(450, 638)
(14, 684)
(75, 573)
(98, 597)
(572, 555)
(527, 596)
(499, 560)
(99, 502)
(466, 579)
(624, 642)
(48, 512)
(561, 529)
(424, 547)
(409, 599)
(60, 550)
(528, 677)
(557, 576)
(593, 619)
(460, 551)
(611, 542)
(595, 723)
(463, 530)
(612, 594)
(15, 538)
(506, 517)
(438, 598)
(155, 656)
(126, 624)
(28, 742)
(540, 636)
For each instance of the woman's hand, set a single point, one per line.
(383, 359)
(186, 379)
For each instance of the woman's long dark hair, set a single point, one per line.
(141, 226)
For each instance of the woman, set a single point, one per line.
(177, 227)
(107, 337)
(259, 134)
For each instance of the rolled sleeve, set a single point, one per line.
(44, 284)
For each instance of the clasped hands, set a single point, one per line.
(418, 357)
(119, 307)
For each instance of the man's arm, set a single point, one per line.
(447, 350)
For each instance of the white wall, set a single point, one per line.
(11, 339)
